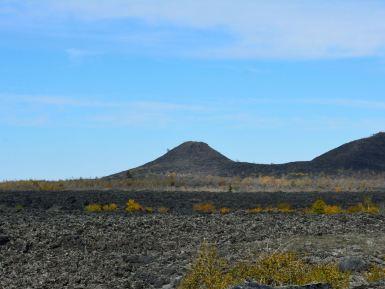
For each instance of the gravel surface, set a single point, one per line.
(58, 248)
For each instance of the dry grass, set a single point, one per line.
(173, 182)
(375, 274)
(281, 208)
(210, 271)
(163, 210)
(257, 209)
(285, 208)
(207, 208)
(367, 206)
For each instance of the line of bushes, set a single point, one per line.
(319, 207)
(132, 206)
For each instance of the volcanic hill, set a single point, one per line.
(198, 158)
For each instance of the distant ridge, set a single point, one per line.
(198, 158)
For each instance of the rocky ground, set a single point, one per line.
(61, 248)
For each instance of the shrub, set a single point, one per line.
(284, 208)
(338, 189)
(318, 207)
(110, 207)
(367, 206)
(132, 206)
(370, 206)
(224, 211)
(255, 210)
(163, 210)
(355, 209)
(210, 271)
(330, 210)
(149, 210)
(93, 208)
(375, 274)
(207, 208)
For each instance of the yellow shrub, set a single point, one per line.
(255, 210)
(284, 208)
(367, 206)
(269, 210)
(318, 207)
(163, 210)
(207, 208)
(133, 206)
(375, 274)
(370, 207)
(208, 271)
(224, 211)
(373, 210)
(330, 210)
(355, 209)
(149, 210)
(213, 272)
(93, 208)
(110, 207)
(338, 189)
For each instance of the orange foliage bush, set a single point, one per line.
(224, 211)
(163, 210)
(207, 208)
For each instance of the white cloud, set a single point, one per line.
(257, 29)
(95, 103)
(33, 110)
(53, 111)
(76, 55)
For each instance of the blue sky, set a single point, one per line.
(89, 88)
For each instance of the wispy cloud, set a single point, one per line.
(92, 103)
(334, 102)
(32, 110)
(76, 55)
(255, 29)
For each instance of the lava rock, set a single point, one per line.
(352, 264)
(377, 285)
(253, 285)
(4, 240)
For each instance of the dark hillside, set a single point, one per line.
(188, 158)
(198, 158)
(363, 154)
